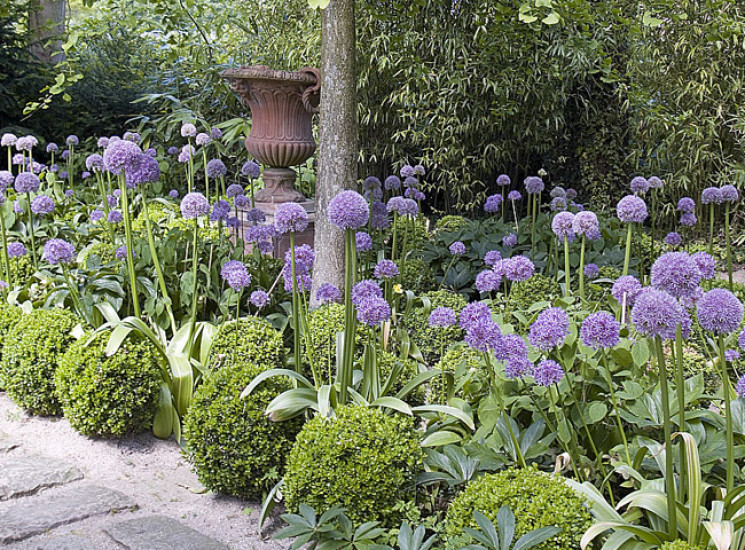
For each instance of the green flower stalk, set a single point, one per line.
(34, 255)
(581, 273)
(670, 488)
(614, 402)
(627, 255)
(4, 235)
(129, 242)
(297, 353)
(727, 391)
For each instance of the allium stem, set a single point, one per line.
(350, 325)
(6, 260)
(191, 169)
(130, 250)
(70, 167)
(567, 275)
(627, 257)
(672, 522)
(680, 394)
(514, 212)
(581, 273)
(295, 307)
(727, 391)
(206, 174)
(156, 263)
(31, 230)
(729, 246)
(194, 266)
(711, 229)
(74, 293)
(532, 229)
(614, 401)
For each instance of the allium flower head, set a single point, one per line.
(183, 157)
(410, 181)
(673, 239)
(115, 217)
(442, 317)
(558, 192)
(27, 182)
(220, 211)
(242, 201)
(712, 195)
(492, 204)
(119, 156)
(657, 313)
(58, 251)
(328, 293)
(120, 253)
(392, 182)
(706, 264)
(363, 241)
(402, 206)
(484, 335)
(19, 159)
(304, 259)
(96, 215)
(731, 355)
(550, 329)
(290, 216)
(216, 168)
(419, 170)
(730, 193)
(26, 143)
(233, 190)
(514, 196)
(6, 179)
(512, 348)
(373, 311)
(52, 147)
(195, 205)
(376, 194)
(94, 162)
(216, 133)
(639, 185)
(457, 248)
(591, 271)
(517, 368)
(141, 170)
(366, 288)
(42, 205)
(686, 204)
(473, 313)
(547, 373)
(627, 285)
(585, 222)
(188, 130)
(102, 142)
(719, 311)
(558, 204)
(600, 331)
(202, 139)
(151, 152)
(503, 180)
(487, 281)
(8, 140)
(688, 219)
(632, 209)
(348, 210)
(256, 215)
(534, 185)
(407, 171)
(379, 215)
(509, 240)
(235, 274)
(370, 183)
(173, 194)
(259, 298)
(492, 258)
(385, 269)
(676, 273)
(518, 268)
(16, 250)
(72, 140)
(655, 182)
(562, 225)
(740, 388)
(173, 150)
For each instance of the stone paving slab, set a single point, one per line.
(27, 475)
(65, 542)
(7, 444)
(32, 516)
(160, 533)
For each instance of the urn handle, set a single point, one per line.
(311, 94)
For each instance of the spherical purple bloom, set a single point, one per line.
(85, 175)
(558, 192)
(151, 152)
(503, 180)
(366, 288)
(392, 182)
(259, 298)
(26, 182)
(492, 204)
(600, 331)
(8, 140)
(407, 171)
(676, 273)
(54, 168)
(220, 211)
(591, 271)
(419, 170)
(712, 195)
(673, 239)
(18, 159)
(731, 355)
(26, 143)
(102, 142)
(115, 217)
(512, 348)
(373, 311)
(370, 183)
(509, 240)
(639, 185)
(235, 274)
(6, 179)
(64, 175)
(328, 293)
(488, 281)
(729, 193)
(65, 154)
(363, 241)
(242, 201)
(442, 317)
(473, 313)
(42, 205)
(563, 224)
(686, 204)
(492, 258)
(119, 155)
(457, 248)
(484, 335)
(202, 139)
(571, 194)
(16, 250)
(72, 140)
(348, 210)
(57, 251)
(142, 169)
(740, 388)
(558, 204)
(195, 205)
(514, 196)
(173, 150)
(216, 168)
(655, 182)
(121, 253)
(719, 311)
(374, 195)
(52, 147)
(97, 215)
(304, 259)
(256, 215)
(385, 269)
(632, 209)
(688, 219)
(534, 185)
(251, 169)
(518, 268)
(234, 190)
(547, 373)
(627, 285)
(517, 368)
(379, 215)
(188, 130)
(232, 223)
(585, 222)
(657, 313)
(113, 200)
(290, 217)
(550, 329)
(17, 207)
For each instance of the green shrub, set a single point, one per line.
(522, 295)
(234, 447)
(362, 459)
(247, 340)
(109, 396)
(21, 268)
(679, 544)
(416, 275)
(451, 223)
(9, 316)
(461, 360)
(409, 370)
(432, 341)
(537, 499)
(97, 254)
(600, 292)
(31, 353)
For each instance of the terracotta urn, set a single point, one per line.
(282, 105)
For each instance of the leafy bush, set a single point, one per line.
(409, 369)
(247, 340)
(31, 354)
(109, 396)
(679, 544)
(465, 363)
(451, 223)
(21, 269)
(9, 316)
(416, 275)
(536, 498)
(432, 341)
(362, 460)
(233, 446)
(96, 254)
(539, 288)
(322, 326)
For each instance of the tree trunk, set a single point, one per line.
(338, 149)
(46, 21)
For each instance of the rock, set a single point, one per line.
(7, 444)
(67, 542)
(32, 516)
(27, 475)
(160, 533)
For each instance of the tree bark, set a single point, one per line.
(338, 140)
(46, 21)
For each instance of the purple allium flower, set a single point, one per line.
(242, 201)
(628, 285)
(72, 140)
(18, 158)
(492, 258)
(407, 171)
(673, 239)
(488, 281)
(403, 206)
(142, 169)
(419, 170)
(740, 388)
(591, 271)
(562, 225)
(385, 269)
(657, 313)
(36, 168)
(151, 152)
(366, 288)
(102, 142)
(216, 133)
(512, 348)
(534, 185)
(26, 182)
(57, 251)
(686, 204)
(484, 335)
(234, 190)
(676, 273)
(379, 215)
(115, 217)
(550, 329)
(52, 147)
(442, 317)
(411, 193)
(54, 168)
(8, 140)
(232, 223)
(392, 182)
(509, 240)
(290, 216)
(188, 130)
(85, 175)
(348, 210)
(119, 155)
(96, 216)
(121, 253)
(131, 136)
(16, 250)
(370, 183)
(375, 194)
(173, 150)
(216, 168)
(42, 205)
(547, 373)
(457, 248)
(473, 313)
(731, 355)
(514, 196)
(639, 185)
(235, 274)
(585, 222)
(558, 204)
(518, 268)
(373, 311)
(729, 193)
(6, 179)
(251, 169)
(220, 211)
(558, 192)
(503, 180)
(688, 219)
(26, 143)
(600, 331)
(363, 241)
(17, 207)
(712, 195)
(113, 200)
(719, 311)
(64, 175)
(493, 202)
(256, 215)
(112, 139)
(195, 205)
(328, 293)
(203, 139)
(655, 182)
(259, 298)
(304, 259)
(632, 209)
(517, 368)
(173, 194)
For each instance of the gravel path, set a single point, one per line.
(144, 470)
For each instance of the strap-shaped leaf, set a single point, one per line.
(275, 372)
